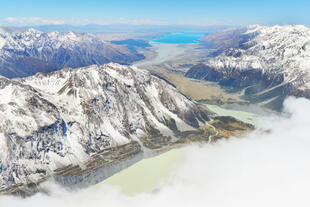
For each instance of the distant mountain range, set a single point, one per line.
(117, 28)
(268, 63)
(24, 53)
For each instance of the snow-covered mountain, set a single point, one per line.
(23, 53)
(272, 61)
(50, 121)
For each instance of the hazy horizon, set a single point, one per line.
(137, 12)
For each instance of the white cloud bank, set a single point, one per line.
(269, 167)
(48, 21)
(34, 21)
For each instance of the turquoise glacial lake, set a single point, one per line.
(180, 38)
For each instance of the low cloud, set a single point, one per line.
(46, 21)
(268, 167)
(34, 21)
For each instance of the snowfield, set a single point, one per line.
(274, 50)
(49, 121)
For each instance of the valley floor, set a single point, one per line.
(171, 61)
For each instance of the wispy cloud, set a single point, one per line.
(117, 21)
(107, 21)
(76, 21)
(34, 21)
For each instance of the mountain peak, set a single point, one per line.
(62, 118)
(31, 51)
(32, 31)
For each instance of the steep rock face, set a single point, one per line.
(27, 52)
(50, 121)
(261, 58)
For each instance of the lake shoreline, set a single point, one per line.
(129, 179)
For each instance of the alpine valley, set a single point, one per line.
(81, 125)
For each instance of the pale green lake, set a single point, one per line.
(246, 117)
(147, 174)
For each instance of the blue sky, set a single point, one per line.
(194, 12)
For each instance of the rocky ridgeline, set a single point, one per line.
(73, 121)
(24, 53)
(269, 63)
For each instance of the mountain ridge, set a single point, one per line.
(24, 53)
(270, 60)
(52, 121)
